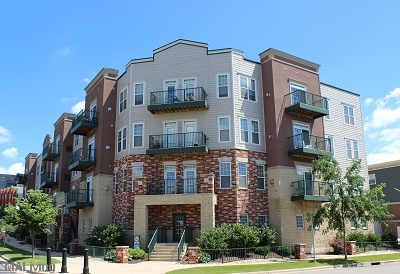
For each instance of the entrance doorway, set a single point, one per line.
(179, 223)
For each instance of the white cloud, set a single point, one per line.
(87, 80)
(66, 100)
(382, 117)
(368, 101)
(375, 158)
(10, 153)
(78, 107)
(388, 134)
(64, 51)
(5, 135)
(13, 169)
(393, 94)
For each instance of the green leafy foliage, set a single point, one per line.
(105, 236)
(204, 257)
(111, 255)
(357, 236)
(267, 235)
(388, 237)
(242, 235)
(215, 238)
(95, 237)
(337, 245)
(136, 253)
(372, 237)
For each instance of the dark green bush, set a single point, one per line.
(267, 235)
(372, 237)
(136, 253)
(243, 236)
(262, 250)
(95, 238)
(204, 257)
(357, 236)
(105, 236)
(216, 238)
(285, 251)
(388, 237)
(111, 255)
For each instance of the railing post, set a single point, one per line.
(222, 256)
(64, 261)
(48, 251)
(85, 262)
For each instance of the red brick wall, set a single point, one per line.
(392, 225)
(163, 215)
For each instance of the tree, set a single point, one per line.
(348, 200)
(35, 213)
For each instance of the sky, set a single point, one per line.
(51, 50)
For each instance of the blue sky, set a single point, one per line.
(50, 50)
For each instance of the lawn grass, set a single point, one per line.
(22, 256)
(222, 269)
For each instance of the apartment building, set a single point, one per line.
(388, 173)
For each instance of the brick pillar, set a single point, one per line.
(207, 183)
(141, 186)
(300, 251)
(351, 247)
(122, 254)
(193, 254)
(73, 248)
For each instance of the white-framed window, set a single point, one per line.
(260, 177)
(299, 221)
(352, 149)
(76, 140)
(138, 135)
(90, 224)
(225, 174)
(137, 172)
(328, 107)
(84, 225)
(255, 132)
(262, 220)
(124, 180)
(244, 219)
(224, 129)
(123, 223)
(329, 145)
(115, 181)
(123, 99)
(298, 93)
(121, 140)
(364, 224)
(247, 88)
(244, 130)
(348, 112)
(353, 224)
(138, 91)
(223, 86)
(372, 179)
(242, 175)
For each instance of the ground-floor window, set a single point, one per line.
(123, 223)
(262, 220)
(299, 221)
(244, 219)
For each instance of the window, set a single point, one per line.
(348, 115)
(244, 130)
(222, 83)
(244, 219)
(115, 179)
(255, 132)
(247, 88)
(260, 177)
(124, 180)
(352, 149)
(298, 93)
(242, 175)
(123, 223)
(90, 224)
(364, 224)
(225, 175)
(137, 172)
(329, 144)
(121, 140)
(122, 100)
(115, 221)
(76, 140)
(328, 108)
(262, 220)
(353, 224)
(137, 135)
(138, 94)
(84, 225)
(372, 179)
(224, 128)
(299, 221)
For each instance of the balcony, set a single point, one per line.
(177, 100)
(82, 159)
(173, 186)
(84, 122)
(176, 143)
(305, 104)
(306, 190)
(48, 180)
(309, 146)
(51, 152)
(79, 198)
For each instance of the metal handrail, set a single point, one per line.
(177, 140)
(152, 244)
(173, 186)
(85, 115)
(309, 187)
(177, 96)
(304, 97)
(80, 195)
(51, 148)
(304, 140)
(82, 154)
(181, 244)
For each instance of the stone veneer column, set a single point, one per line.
(122, 254)
(351, 247)
(300, 251)
(193, 254)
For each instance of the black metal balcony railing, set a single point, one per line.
(82, 159)
(79, 198)
(48, 180)
(306, 104)
(84, 122)
(51, 152)
(309, 190)
(304, 143)
(179, 142)
(173, 186)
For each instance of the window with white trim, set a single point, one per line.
(115, 181)
(76, 140)
(225, 174)
(262, 220)
(364, 224)
(138, 135)
(329, 145)
(372, 179)
(353, 224)
(124, 180)
(138, 90)
(224, 129)
(222, 83)
(123, 223)
(242, 175)
(244, 219)
(84, 225)
(137, 172)
(244, 130)
(352, 149)
(122, 99)
(299, 221)
(247, 88)
(298, 93)
(328, 108)
(255, 132)
(121, 140)
(260, 177)
(348, 112)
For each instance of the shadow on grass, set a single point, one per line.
(337, 261)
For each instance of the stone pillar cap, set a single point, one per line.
(122, 246)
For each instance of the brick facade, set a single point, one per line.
(162, 215)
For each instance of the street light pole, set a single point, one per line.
(313, 235)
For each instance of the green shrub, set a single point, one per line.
(357, 236)
(204, 257)
(105, 236)
(285, 251)
(262, 250)
(215, 238)
(337, 245)
(267, 235)
(111, 255)
(372, 237)
(95, 238)
(388, 237)
(136, 253)
(243, 236)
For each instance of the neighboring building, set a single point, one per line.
(388, 173)
(6, 180)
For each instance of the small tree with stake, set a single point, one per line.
(348, 200)
(34, 213)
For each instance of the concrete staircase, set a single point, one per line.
(166, 252)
